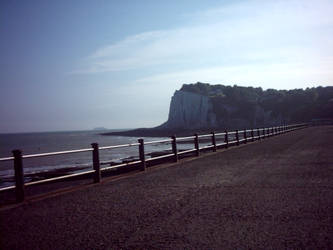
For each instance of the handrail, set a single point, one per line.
(119, 146)
(7, 159)
(218, 134)
(59, 178)
(207, 146)
(57, 153)
(185, 138)
(160, 157)
(237, 137)
(203, 136)
(186, 151)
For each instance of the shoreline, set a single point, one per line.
(157, 132)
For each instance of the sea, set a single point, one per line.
(45, 142)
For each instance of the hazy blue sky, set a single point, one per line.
(68, 65)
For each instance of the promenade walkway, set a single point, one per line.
(273, 194)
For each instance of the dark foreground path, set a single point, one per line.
(275, 194)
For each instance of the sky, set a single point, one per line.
(77, 65)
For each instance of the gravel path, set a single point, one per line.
(274, 194)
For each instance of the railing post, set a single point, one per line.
(142, 154)
(263, 135)
(196, 144)
(245, 136)
(96, 163)
(19, 176)
(174, 148)
(258, 132)
(214, 141)
(237, 137)
(226, 138)
(252, 135)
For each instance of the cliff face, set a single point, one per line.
(195, 111)
(190, 110)
(204, 106)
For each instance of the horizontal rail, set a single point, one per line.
(185, 138)
(205, 147)
(7, 188)
(160, 157)
(121, 165)
(187, 151)
(221, 144)
(7, 159)
(119, 146)
(59, 178)
(220, 134)
(57, 153)
(203, 136)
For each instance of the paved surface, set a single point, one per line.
(275, 194)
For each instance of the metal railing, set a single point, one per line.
(228, 138)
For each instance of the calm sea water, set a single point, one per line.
(32, 143)
(35, 143)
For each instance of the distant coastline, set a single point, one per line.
(100, 129)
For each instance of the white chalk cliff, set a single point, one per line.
(201, 106)
(190, 110)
